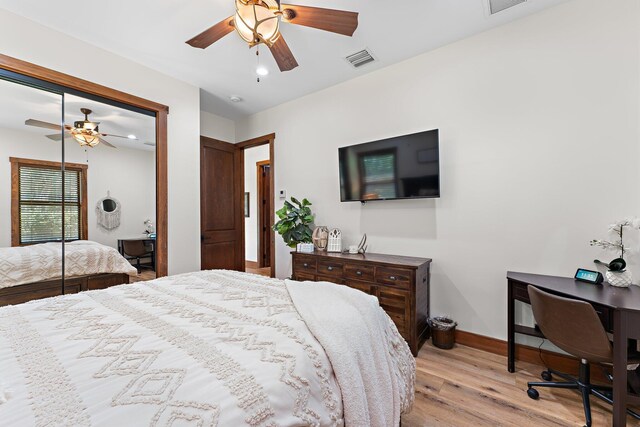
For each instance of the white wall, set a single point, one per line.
(26, 40)
(217, 127)
(135, 190)
(539, 152)
(251, 157)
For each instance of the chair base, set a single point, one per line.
(582, 384)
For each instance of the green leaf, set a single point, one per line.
(294, 222)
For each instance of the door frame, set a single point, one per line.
(260, 209)
(161, 112)
(256, 142)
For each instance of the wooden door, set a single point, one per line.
(221, 205)
(264, 211)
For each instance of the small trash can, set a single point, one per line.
(443, 332)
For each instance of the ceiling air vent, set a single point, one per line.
(361, 58)
(496, 6)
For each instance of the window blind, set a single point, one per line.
(41, 201)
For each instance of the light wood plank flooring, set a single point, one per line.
(266, 271)
(143, 276)
(469, 387)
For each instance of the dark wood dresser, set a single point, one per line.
(400, 283)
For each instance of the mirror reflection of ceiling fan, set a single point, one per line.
(258, 22)
(85, 132)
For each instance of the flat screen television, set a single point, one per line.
(404, 167)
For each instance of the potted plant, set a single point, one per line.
(616, 274)
(295, 224)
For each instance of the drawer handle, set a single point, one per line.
(305, 265)
(393, 278)
(330, 268)
(359, 273)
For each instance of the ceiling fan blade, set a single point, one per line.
(115, 136)
(283, 56)
(107, 143)
(41, 124)
(150, 144)
(213, 34)
(332, 20)
(55, 137)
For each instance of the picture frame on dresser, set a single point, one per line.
(401, 284)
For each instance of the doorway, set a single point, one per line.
(257, 169)
(263, 172)
(259, 236)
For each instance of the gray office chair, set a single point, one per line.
(573, 326)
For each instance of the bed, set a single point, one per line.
(212, 348)
(33, 272)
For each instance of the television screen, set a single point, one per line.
(405, 167)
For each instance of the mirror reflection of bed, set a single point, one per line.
(103, 205)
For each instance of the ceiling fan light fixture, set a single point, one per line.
(257, 21)
(86, 137)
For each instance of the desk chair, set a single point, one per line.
(136, 249)
(573, 326)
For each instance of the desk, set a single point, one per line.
(147, 241)
(619, 312)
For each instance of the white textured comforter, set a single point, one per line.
(29, 264)
(372, 362)
(209, 348)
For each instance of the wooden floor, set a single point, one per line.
(266, 271)
(144, 275)
(468, 387)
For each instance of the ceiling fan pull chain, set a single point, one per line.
(258, 56)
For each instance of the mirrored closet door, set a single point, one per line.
(80, 211)
(31, 193)
(111, 200)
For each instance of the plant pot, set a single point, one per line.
(619, 279)
(306, 248)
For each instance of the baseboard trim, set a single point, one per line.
(525, 353)
(251, 264)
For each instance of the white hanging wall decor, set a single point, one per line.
(108, 212)
(335, 241)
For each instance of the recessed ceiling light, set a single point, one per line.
(132, 136)
(235, 98)
(262, 71)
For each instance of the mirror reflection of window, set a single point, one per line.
(379, 178)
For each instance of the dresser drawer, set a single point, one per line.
(396, 304)
(396, 277)
(304, 264)
(359, 272)
(330, 268)
(301, 277)
(367, 288)
(331, 279)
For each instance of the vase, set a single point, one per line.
(321, 237)
(619, 279)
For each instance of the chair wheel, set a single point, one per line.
(546, 375)
(533, 393)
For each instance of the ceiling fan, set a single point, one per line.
(258, 22)
(85, 132)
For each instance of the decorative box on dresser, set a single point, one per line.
(400, 283)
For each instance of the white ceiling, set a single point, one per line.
(153, 32)
(19, 103)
